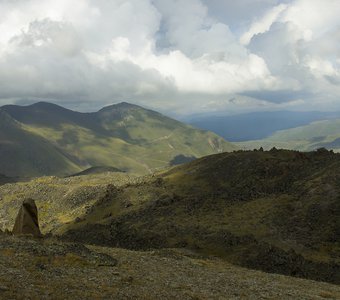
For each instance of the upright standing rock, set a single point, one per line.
(27, 219)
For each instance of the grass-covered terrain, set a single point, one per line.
(25, 154)
(309, 137)
(46, 139)
(59, 200)
(276, 211)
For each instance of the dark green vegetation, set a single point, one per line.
(277, 211)
(46, 139)
(258, 125)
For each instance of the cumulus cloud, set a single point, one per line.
(182, 55)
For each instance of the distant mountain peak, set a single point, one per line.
(38, 106)
(47, 106)
(44, 104)
(120, 106)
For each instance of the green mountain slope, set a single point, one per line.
(277, 211)
(24, 153)
(58, 141)
(305, 138)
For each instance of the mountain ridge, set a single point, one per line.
(125, 136)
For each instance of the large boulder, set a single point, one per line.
(26, 222)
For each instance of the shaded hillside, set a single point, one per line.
(26, 154)
(277, 211)
(46, 139)
(304, 138)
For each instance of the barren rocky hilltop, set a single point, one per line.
(239, 225)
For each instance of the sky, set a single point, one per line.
(177, 56)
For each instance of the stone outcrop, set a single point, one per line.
(26, 222)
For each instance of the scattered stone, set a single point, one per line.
(26, 222)
(3, 288)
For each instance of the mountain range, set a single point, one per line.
(133, 179)
(46, 139)
(318, 134)
(257, 125)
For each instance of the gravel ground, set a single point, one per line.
(50, 269)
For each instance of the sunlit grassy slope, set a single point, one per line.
(54, 140)
(305, 138)
(59, 200)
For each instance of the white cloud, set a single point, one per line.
(263, 24)
(176, 54)
(301, 46)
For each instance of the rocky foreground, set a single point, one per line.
(48, 268)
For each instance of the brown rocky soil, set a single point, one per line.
(50, 269)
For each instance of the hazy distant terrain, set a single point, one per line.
(257, 125)
(309, 137)
(46, 139)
